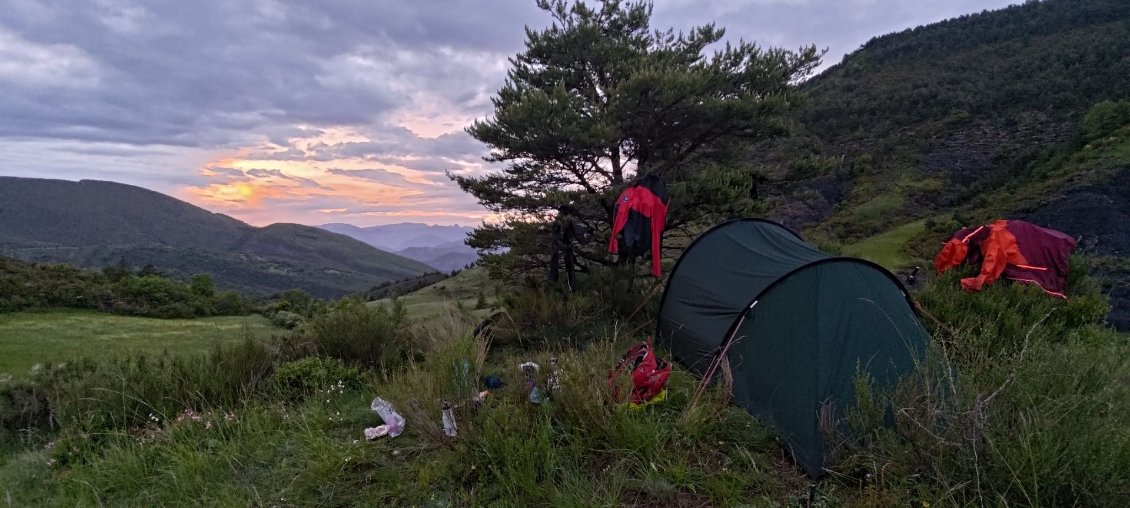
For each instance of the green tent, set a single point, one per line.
(797, 325)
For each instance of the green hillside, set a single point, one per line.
(463, 289)
(95, 224)
(927, 119)
(1013, 113)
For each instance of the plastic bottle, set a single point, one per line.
(553, 384)
(391, 418)
(448, 420)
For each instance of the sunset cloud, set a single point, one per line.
(350, 110)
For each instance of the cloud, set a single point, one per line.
(28, 64)
(266, 108)
(371, 174)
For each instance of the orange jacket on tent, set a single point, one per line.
(1016, 250)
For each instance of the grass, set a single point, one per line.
(1050, 433)
(579, 448)
(30, 338)
(433, 301)
(887, 248)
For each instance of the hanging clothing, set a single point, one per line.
(563, 234)
(640, 216)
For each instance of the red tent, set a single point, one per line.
(1015, 249)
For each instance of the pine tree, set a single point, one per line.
(599, 98)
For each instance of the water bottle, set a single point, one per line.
(391, 418)
(553, 384)
(448, 420)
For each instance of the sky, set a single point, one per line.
(315, 112)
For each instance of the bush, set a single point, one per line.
(285, 319)
(300, 378)
(1104, 118)
(359, 334)
(32, 286)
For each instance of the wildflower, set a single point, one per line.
(50, 462)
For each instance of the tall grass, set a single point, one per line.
(1023, 401)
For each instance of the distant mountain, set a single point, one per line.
(94, 223)
(442, 258)
(440, 247)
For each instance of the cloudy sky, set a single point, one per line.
(315, 112)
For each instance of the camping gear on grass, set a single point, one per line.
(648, 373)
(640, 216)
(1014, 249)
(531, 369)
(391, 418)
(796, 325)
(493, 382)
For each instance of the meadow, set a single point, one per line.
(30, 338)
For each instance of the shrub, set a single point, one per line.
(300, 378)
(285, 319)
(359, 334)
(34, 286)
(1104, 118)
(229, 303)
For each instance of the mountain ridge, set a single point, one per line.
(441, 247)
(94, 223)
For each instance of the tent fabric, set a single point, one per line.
(796, 324)
(1016, 250)
(705, 300)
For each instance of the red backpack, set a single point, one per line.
(649, 374)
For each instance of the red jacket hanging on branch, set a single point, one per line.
(640, 215)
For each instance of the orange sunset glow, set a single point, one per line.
(281, 183)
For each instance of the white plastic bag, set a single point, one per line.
(392, 419)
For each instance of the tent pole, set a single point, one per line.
(722, 350)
